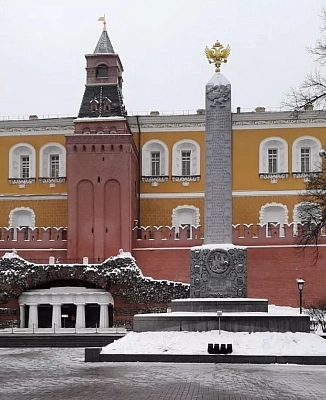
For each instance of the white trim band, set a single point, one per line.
(236, 193)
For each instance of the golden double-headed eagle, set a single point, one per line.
(217, 54)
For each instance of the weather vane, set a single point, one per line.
(217, 54)
(102, 19)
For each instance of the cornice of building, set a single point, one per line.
(169, 122)
(247, 120)
(42, 126)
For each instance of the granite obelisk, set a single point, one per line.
(218, 268)
(218, 161)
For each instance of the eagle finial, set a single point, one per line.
(217, 54)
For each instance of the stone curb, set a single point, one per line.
(93, 355)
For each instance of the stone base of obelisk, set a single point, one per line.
(218, 290)
(218, 270)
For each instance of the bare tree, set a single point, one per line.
(312, 211)
(317, 313)
(312, 92)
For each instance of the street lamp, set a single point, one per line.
(300, 283)
(322, 153)
(219, 315)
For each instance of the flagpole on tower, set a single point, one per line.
(102, 19)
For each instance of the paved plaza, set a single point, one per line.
(58, 374)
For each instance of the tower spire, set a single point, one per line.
(104, 44)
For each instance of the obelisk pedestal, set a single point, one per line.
(218, 268)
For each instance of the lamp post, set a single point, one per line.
(322, 153)
(300, 283)
(219, 315)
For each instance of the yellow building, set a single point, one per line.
(273, 155)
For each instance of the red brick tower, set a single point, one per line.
(102, 163)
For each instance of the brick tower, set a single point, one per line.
(102, 163)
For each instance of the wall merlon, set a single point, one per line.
(33, 238)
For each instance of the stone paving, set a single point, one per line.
(59, 374)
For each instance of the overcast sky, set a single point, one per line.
(161, 45)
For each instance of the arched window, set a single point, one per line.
(186, 158)
(155, 157)
(102, 71)
(306, 214)
(185, 217)
(22, 217)
(272, 214)
(273, 157)
(52, 161)
(305, 155)
(22, 161)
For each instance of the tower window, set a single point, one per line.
(54, 165)
(107, 104)
(93, 105)
(24, 166)
(102, 71)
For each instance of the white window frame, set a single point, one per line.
(45, 152)
(54, 165)
(12, 223)
(195, 213)
(185, 162)
(315, 147)
(272, 157)
(156, 163)
(178, 148)
(155, 146)
(24, 166)
(305, 160)
(296, 215)
(15, 154)
(263, 218)
(282, 154)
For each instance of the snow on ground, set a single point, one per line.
(244, 343)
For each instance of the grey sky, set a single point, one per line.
(161, 44)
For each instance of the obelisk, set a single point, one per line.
(218, 268)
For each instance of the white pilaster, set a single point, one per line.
(56, 315)
(33, 316)
(104, 315)
(22, 315)
(80, 317)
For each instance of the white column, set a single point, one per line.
(33, 316)
(56, 315)
(80, 317)
(22, 315)
(104, 315)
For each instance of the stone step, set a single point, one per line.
(56, 340)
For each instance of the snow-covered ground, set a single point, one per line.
(244, 343)
(262, 343)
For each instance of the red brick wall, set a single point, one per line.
(164, 263)
(272, 271)
(272, 274)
